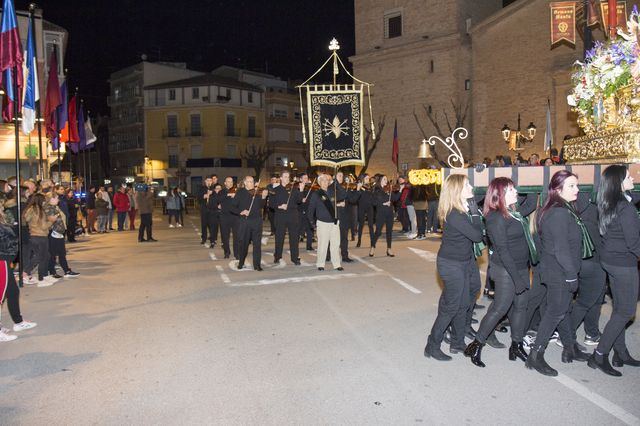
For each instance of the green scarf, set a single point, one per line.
(533, 251)
(587, 242)
(478, 247)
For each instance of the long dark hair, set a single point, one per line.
(609, 194)
(495, 198)
(553, 198)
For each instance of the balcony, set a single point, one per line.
(170, 133)
(254, 133)
(232, 132)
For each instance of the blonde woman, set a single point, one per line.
(35, 216)
(461, 229)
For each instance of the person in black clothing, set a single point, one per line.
(620, 229)
(247, 205)
(227, 219)
(462, 228)
(306, 230)
(213, 214)
(284, 199)
(564, 241)
(72, 223)
(433, 195)
(365, 208)
(347, 195)
(203, 197)
(383, 198)
(275, 179)
(512, 249)
(91, 210)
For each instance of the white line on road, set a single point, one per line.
(370, 265)
(399, 281)
(605, 404)
(407, 286)
(301, 279)
(223, 276)
(425, 254)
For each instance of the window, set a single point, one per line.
(228, 93)
(172, 125)
(232, 151)
(393, 25)
(431, 66)
(54, 42)
(252, 127)
(195, 93)
(173, 157)
(195, 125)
(196, 151)
(467, 84)
(280, 113)
(172, 94)
(231, 125)
(282, 161)
(250, 97)
(296, 115)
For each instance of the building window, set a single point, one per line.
(431, 66)
(280, 113)
(172, 94)
(393, 25)
(196, 151)
(251, 127)
(250, 97)
(173, 157)
(195, 125)
(282, 161)
(231, 125)
(228, 93)
(172, 125)
(467, 84)
(52, 41)
(296, 115)
(195, 93)
(232, 151)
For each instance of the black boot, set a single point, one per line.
(456, 348)
(623, 358)
(432, 350)
(493, 341)
(573, 353)
(474, 351)
(471, 333)
(517, 351)
(536, 361)
(601, 362)
(358, 244)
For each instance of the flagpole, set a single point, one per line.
(32, 8)
(14, 82)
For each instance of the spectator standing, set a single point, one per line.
(91, 210)
(122, 206)
(72, 222)
(133, 209)
(57, 249)
(39, 225)
(144, 200)
(111, 196)
(174, 205)
(102, 209)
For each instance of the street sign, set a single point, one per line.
(405, 166)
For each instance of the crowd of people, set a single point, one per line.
(550, 259)
(327, 210)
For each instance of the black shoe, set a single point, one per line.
(309, 248)
(390, 254)
(321, 268)
(432, 350)
(447, 337)
(623, 358)
(573, 353)
(226, 256)
(56, 276)
(339, 268)
(257, 268)
(536, 361)
(471, 333)
(493, 341)
(296, 262)
(240, 266)
(152, 240)
(456, 348)
(142, 241)
(202, 242)
(358, 244)
(276, 261)
(347, 259)
(601, 362)
(372, 251)
(517, 351)
(474, 351)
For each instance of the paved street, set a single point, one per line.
(170, 333)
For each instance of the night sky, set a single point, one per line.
(287, 38)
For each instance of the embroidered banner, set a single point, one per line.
(563, 22)
(621, 13)
(335, 125)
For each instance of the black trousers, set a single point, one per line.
(58, 253)
(213, 224)
(421, 217)
(384, 217)
(344, 218)
(475, 284)
(204, 224)
(250, 232)
(505, 301)
(272, 220)
(12, 294)
(122, 216)
(432, 216)
(71, 227)
(287, 222)
(557, 315)
(454, 301)
(537, 303)
(623, 282)
(588, 303)
(306, 230)
(353, 219)
(40, 247)
(366, 212)
(146, 225)
(403, 217)
(227, 224)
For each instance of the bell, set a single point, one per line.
(424, 151)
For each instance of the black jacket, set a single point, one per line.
(561, 246)
(380, 197)
(225, 201)
(244, 200)
(588, 212)
(280, 195)
(459, 232)
(91, 200)
(621, 242)
(318, 207)
(8, 243)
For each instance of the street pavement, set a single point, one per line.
(169, 333)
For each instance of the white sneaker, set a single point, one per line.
(528, 341)
(46, 282)
(4, 337)
(171, 226)
(30, 281)
(412, 236)
(24, 325)
(179, 226)
(207, 245)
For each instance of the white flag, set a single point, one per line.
(91, 138)
(548, 133)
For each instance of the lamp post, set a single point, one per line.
(517, 138)
(146, 161)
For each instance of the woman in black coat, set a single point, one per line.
(383, 199)
(620, 229)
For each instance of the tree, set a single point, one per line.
(460, 114)
(256, 157)
(370, 143)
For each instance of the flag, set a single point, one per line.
(548, 134)
(31, 93)
(72, 128)
(82, 136)
(10, 59)
(62, 113)
(52, 102)
(396, 146)
(91, 138)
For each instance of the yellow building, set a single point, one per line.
(199, 126)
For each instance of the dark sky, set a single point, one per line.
(289, 38)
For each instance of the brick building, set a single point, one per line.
(488, 60)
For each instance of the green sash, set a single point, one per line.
(587, 242)
(533, 251)
(478, 247)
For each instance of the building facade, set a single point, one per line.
(475, 64)
(126, 126)
(199, 126)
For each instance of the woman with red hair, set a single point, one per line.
(511, 251)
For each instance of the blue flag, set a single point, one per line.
(31, 94)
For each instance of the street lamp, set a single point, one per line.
(517, 138)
